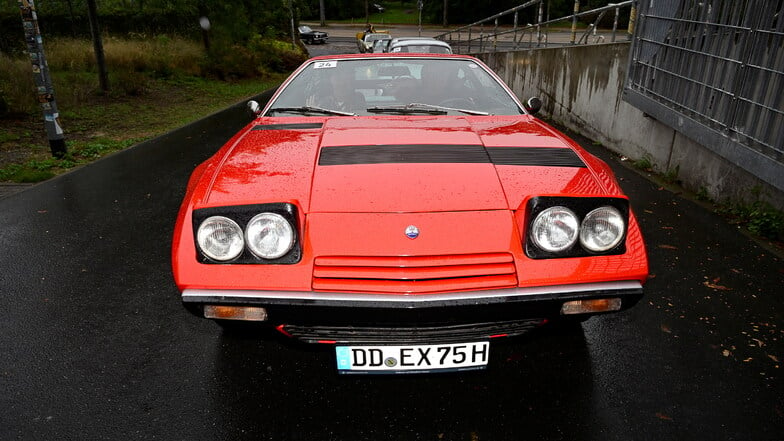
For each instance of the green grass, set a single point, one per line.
(156, 85)
(397, 14)
(394, 13)
(643, 163)
(103, 125)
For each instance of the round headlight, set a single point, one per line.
(555, 229)
(602, 229)
(269, 235)
(220, 238)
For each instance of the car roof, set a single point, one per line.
(429, 42)
(390, 55)
(415, 38)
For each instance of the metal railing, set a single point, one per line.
(474, 38)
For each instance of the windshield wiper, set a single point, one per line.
(423, 108)
(311, 109)
(405, 109)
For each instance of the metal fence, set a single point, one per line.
(714, 71)
(487, 36)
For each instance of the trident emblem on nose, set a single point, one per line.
(412, 232)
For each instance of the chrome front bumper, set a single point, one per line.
(622, 289)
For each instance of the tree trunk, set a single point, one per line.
(103, 77)
(73, 19)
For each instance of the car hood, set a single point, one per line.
(396, 165)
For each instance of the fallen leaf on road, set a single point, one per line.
(668, 247)
(715, 286)
(662, 416)
(773, 357)
(666, 328)
(726, 353)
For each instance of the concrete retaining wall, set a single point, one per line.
(581, 88)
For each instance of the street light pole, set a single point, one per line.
(420, 5)
(43, 81)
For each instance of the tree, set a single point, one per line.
(103, 77)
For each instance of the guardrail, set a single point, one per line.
(507, 38)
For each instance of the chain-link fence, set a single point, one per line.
(714, 71)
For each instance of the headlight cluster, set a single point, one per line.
(263, 233)
(557, 225)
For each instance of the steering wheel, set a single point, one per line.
(458, 103)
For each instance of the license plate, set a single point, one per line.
(404, 359)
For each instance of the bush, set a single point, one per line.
(276, 55)
(261, 56)
(229, 62)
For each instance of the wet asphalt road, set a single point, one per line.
(94, 343)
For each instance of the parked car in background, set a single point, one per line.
(367, 40)
(406, 210)
(309, 36)
(380, 46)
(422, 45)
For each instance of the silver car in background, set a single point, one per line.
(422, 45)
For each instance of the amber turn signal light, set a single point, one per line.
(250, 313)
(591, 306)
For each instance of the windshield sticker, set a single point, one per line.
(325, 65)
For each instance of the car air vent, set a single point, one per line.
(535, 156)
(414, 274)
(402, 154)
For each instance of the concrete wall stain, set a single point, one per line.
(581, 87)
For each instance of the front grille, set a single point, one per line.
(414, 274)
(419, 334)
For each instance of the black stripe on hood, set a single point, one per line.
(449, 153)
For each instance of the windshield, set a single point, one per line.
(375, 37)
(352, 87)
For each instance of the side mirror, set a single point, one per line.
(254, 108)
(533, 105)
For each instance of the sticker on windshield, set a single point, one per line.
(325, 64)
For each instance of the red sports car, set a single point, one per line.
(406, 209)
